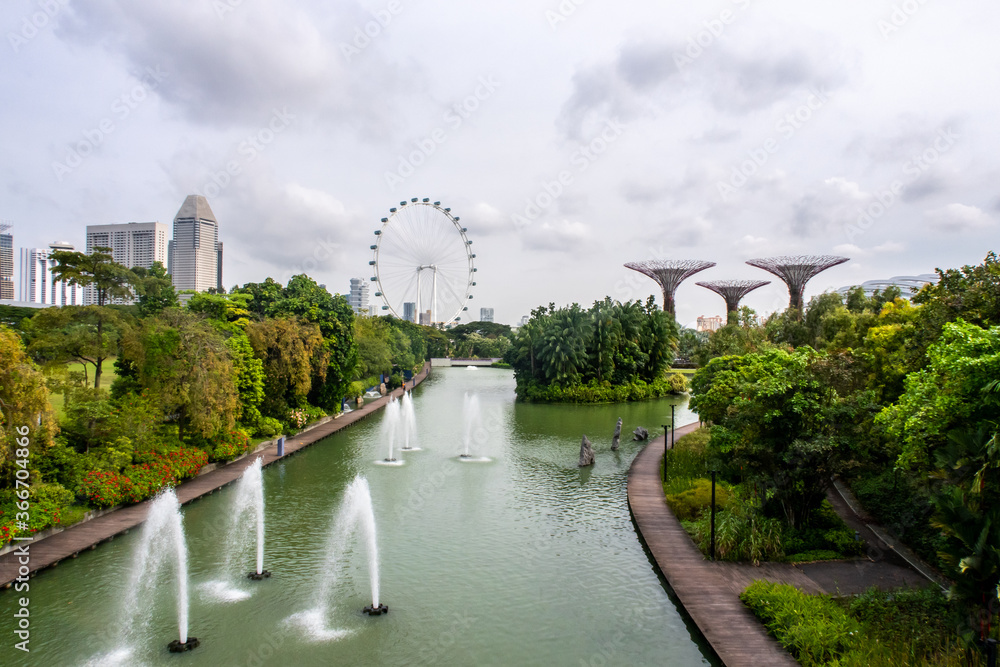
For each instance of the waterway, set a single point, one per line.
(522, 559)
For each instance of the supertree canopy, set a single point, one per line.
(796, 271)
(733, 292)
(670, 274)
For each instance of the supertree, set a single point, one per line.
(670, 274)
(796, 271)
(733, 292)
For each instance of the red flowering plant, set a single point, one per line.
(45, 505)
(184, 463)
(104, 488)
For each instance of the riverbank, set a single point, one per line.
(40, 554)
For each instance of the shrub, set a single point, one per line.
(593, 391)
(144, 480)
(103, 488)
(45, 505)
(268, 427)
(231, 444)
(742, 533)
(814, 628)
(904, 627)
(824, 531)
(298, 418)
(356, 389)
(678, 383)
(183, 463)
(685, 462)
(689, 505)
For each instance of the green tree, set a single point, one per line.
(293, 355)
(563, 350)
(183, 364)
(950, 393)
(372, 336)
(304, 298)
(154, 289)
(24, 402)
(88, 335)
(771, 418)
(250, 379)
(108, 280)
(967, 511)
(230, 312)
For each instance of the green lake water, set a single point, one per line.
(524, 559)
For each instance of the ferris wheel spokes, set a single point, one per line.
(416, 238)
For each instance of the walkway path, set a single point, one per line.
(735, 634)
(710, 591)
(48, 552)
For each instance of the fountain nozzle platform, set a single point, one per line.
(257, 576)
(177, 646)
(376, 611)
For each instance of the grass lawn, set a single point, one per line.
(107, 377)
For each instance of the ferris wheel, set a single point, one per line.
(423, 263)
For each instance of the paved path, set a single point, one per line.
(734, 633)
(48, 552)
(710, 591)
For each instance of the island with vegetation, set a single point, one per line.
(613, 352)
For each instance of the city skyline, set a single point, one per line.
(596, 136)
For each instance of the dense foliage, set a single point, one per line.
(612, 352)
(901, 398)
(190, 385)
(898, 628)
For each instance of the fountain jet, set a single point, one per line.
(162, 544)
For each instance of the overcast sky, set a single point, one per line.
(570, 137)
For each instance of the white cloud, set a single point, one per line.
(958, 218)
(557, 236)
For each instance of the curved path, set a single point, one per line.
(734, 633)
(69, 543)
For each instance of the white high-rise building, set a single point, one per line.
(132, 244)
(6, 262)
(358, 298)
(37, 282)
(195, 250)
(485, 314)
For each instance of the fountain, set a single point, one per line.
(249, 500)
(472, 424)
(246, 520)
(356, 513)
(409, 423)
(390, 427)
(162, 541)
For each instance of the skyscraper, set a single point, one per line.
(37, 285)
(410, 311)
(132, 244)
(6, 263)
(358, 298)
(194, 251)
(485, 314)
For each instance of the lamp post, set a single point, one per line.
(712, 548)
(672, 406)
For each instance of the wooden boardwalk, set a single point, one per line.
(48, 552)
(733, 632)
